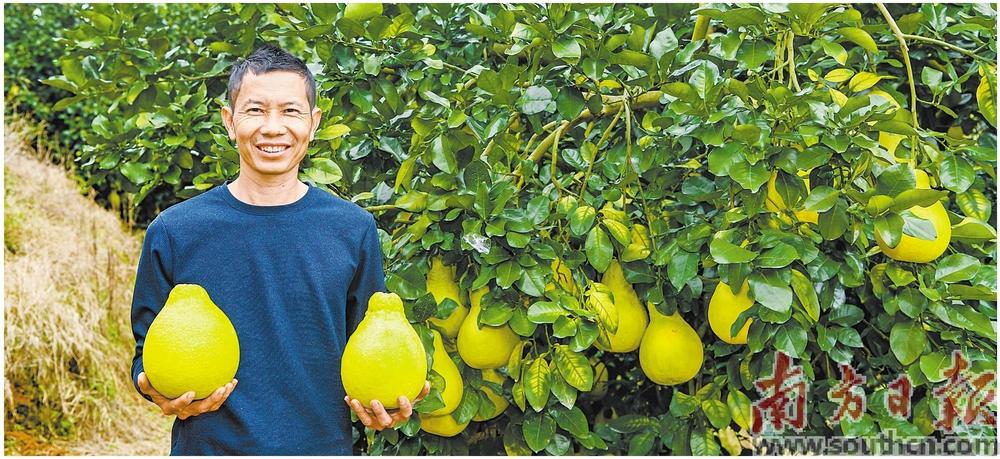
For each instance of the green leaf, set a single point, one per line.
(895, 180)
(489, 81)
(821, 199)
(933, 364)
(442, 156)
(72, 68)
(632, 423)
(538, 430)
(889, 228)
(570, 103)
(641, 443)
(916, 197)
(565, 393)
(973, 204)
(986, 96)
(682, 268)
(848, 337)
(581, 220)
(60, 82)
(742, 17)
(722, 159)
(834, 50)
(918, 227)
(907, 340)
(838, 75)
(682, 405)
(956, 173)
(806, 293)
(860, 38)
(748, 133)
(911, 302)
(833, 223)
(972, 230)
(791, 338)
(895, 127)
(769, 290)
(536, 99)
(753, 53)
(572, 420)
(663, 42)
(545, 312)
(739, 407)
(532, 281)
(750, 177)
(779, 256)
(508, 272)
(957, 267)
(323, 171)
(599, 249)
(137, 173)
(725, 252)
(566, 48)
(717, 413)
(537, 384)
(703, 443)
(863, 80)
(574, 368)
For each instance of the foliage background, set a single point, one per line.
(477, 132)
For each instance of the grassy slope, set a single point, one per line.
(68, 274)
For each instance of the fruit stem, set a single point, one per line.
(909, 74)
(791, 62)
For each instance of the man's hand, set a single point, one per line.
(185, 406)
(378, 418)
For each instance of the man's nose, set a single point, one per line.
(273, 125)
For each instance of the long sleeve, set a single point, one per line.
(153, 281)
(368, 279)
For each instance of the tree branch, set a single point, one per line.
(644, 100)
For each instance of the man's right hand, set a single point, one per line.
(185, 406)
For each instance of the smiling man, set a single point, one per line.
(291, 266)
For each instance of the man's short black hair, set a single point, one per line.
(270, 58)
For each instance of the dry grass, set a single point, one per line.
(69, 271)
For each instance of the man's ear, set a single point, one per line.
(227, 120)
(317, 115)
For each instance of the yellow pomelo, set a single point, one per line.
(384, 358)
(562, 275)
(500, 403)
(725, 307)
(362, 11)
(484, 346)
(190, 346)
(916, 250)
(632, 318)
(444, 426)
(453, 384)
(671, 352)
(775, 203)
(441, 284)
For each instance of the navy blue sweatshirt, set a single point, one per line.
(295, 281)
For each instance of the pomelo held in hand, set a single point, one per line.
(191, 345)
(384, 358)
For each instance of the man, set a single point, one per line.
(291, 266)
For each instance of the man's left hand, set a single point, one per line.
(377, 418)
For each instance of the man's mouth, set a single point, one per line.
(272, 149)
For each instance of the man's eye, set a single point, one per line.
(254, 110)
(293, 111)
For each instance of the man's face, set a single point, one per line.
(272, 124)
